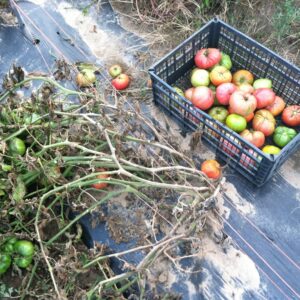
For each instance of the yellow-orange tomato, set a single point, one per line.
(242, 76)
(101, 185)
(277, 107)
(219, 75)
(264, 121)
(256, 138)
(211, 168)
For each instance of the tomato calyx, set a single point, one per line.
(243, 79)
(295, 112)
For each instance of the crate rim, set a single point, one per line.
(217, 20)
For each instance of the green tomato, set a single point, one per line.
(17, 146)
(5, 262)
(270, 149)
(8, 246)
(219, 113)
(179, 91)
(236, 122)
(24, 248)
(226, 61)
(23, 262)
(200, 77)
(11, 240)
(193, 71)
(283, 135)
(262, 83)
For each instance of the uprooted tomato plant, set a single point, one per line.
(66, 154)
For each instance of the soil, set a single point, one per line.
(126, 223)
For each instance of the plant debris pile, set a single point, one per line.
(92, 152)
(7, 17)
(168, 23)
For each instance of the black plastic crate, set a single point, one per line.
(245, 53)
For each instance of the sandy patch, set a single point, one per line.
(102, 44)
(231, 266)
(241, 204)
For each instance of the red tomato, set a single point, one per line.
(203, 97)
(224, 91)
(207, 58)
(256, 138)
(101, 185)
(264, 97)
(211, 168)
(189, 93)
(121, 82)
(242, 104)
(264, 121)
(291, 115)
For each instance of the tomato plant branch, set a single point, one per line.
(44, 79)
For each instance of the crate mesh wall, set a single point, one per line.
(175, 68)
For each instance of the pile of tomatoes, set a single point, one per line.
(18, 252)
(86, 78)
(246, 105)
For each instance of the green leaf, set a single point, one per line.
(3, 184)
(6, 168)
(19, 190)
